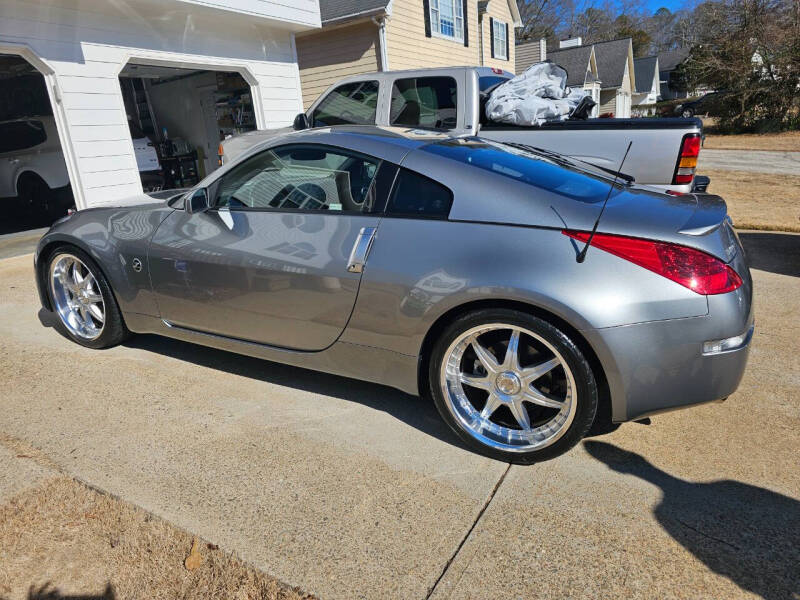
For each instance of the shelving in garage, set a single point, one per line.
(184, 114)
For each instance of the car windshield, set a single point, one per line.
(537, 167)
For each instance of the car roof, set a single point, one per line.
(386, 143)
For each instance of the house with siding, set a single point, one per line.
(616, 71)
(648, 85)
(88, 52)
(360, 36)
(528, 54)
(669, 64)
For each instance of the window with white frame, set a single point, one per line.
(447, 19)
(500, 39)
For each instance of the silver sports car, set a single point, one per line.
(456, 268)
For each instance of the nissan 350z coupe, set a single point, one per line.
(443, 266)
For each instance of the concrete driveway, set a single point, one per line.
(754, 161)
(352, 490)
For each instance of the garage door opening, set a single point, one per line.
(34, 182)
(177, 118)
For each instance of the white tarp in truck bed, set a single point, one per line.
(538, 95)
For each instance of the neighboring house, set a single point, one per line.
(672, 84)
(648, 86)
(529, 54)
(359, 36)
(617, 76)
(580, 63)
(82, 48)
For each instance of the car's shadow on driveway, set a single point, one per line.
(773, 252)
(746, 533)
(412, 410)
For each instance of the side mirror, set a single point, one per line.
(301, 122)
(198, 202)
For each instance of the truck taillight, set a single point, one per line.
(694, 269)
(687, 160)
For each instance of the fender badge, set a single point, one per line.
(137, 265)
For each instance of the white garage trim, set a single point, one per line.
(51, 84)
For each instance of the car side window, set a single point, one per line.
(349, 104)
(418, 196)
(21, 135)
(425, 102)
(300, 177)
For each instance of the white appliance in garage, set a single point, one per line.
(82, 48)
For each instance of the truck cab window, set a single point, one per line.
(349, 104)
(425, 102)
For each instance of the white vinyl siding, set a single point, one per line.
(86, 48)
(500, 32)
(447, 19)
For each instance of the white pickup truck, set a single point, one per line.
(663, 155)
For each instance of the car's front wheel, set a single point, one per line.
(687, 113)
(512, 386)
(82, 299)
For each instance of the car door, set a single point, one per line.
(277, 258)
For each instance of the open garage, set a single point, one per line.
(177, 117)
(34, 182)
(122, 75)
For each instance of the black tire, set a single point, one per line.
(687, 113)
(585, 384)
(43, 201)
(114, 331)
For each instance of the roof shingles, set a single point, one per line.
(331, 10)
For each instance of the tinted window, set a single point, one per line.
(536, 169)
(302, 177)
(416, 195)
(424, 102)
(484, 83)
(349, 104)
(21, 135)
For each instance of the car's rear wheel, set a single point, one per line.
(687, 113)
(82, 299)
(512, 386)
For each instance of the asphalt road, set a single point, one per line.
(755, 161)
(352, 490)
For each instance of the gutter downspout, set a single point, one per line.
(482, 7)
(380, 22)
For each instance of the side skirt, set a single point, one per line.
(366, 363)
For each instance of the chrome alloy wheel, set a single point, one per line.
(508, 388)
(77, 297)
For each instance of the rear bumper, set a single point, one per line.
(660, 365)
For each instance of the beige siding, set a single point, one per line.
(527, 54)
(608, 102)
(329, 55)
(499, 10)
(408, 48)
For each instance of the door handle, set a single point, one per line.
(358, 255)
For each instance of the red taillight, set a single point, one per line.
(696, 270)
(687, 161)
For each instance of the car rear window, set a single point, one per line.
(545, 172)
(21, 135)
(417, 196)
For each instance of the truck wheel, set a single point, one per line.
(512, 386)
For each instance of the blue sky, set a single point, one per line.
(673, 5)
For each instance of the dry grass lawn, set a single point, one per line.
(64, 540)
(787, 141)
(759, 200)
